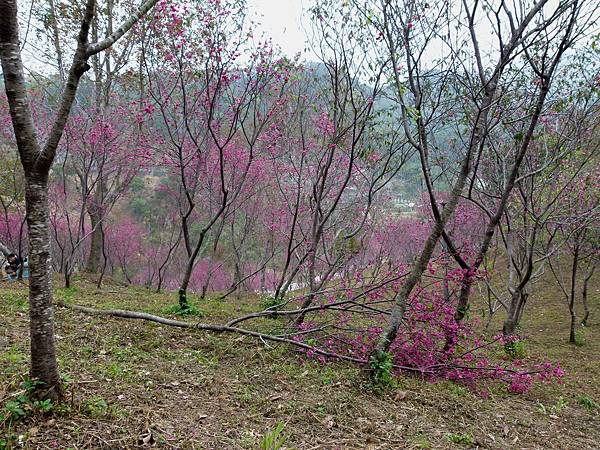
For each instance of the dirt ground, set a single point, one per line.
(134, 384)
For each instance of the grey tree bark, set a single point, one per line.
(36, 162)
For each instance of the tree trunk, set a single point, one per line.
(44, 367)
(183, 287)
(36, 164)
(105, 260)
(94, 260)
(463, 298)
(572, 339)
(574, 267)
(43, 354)
(311, 286)
(515, 311)
(584, 295)
(67, 276)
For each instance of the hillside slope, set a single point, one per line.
(133, 383)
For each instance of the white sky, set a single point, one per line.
(284, 22)
(281, 20)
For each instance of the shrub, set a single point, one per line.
(432, 344)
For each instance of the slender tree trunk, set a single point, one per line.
(185, 282)
(574, 267)
(67, 276)
(43, 353)
(397, 313)
(463, 297)
(56, 40)
(469, 276)
(584, 295)
(44, 366)
(311, 285)
(105, 260)
(20, 253)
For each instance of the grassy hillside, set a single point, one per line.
(132, 384)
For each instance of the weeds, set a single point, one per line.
(381, 367)
(274, 439)
(95, 406)
(271, 303)
(460, 438)
(515, 348)
(421, 441)
(189, 310)
(587, 402)
(24, 404)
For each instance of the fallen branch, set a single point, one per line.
(125, 314)
(206, 327)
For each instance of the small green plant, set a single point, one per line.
(515, 348)
(381, 369)
(459, 391)
(66, 378)
(188, 310)
(44, 406)
(274, 439)
(95, 406)
(460, 438)
(587, 402)
(580, 338)
(541, 408)
(421, 441)
(23, 404)
(30, 385)
(271, 303)
(15, 409)
(560, 404)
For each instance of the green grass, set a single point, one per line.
(460, 438)
(192, 388)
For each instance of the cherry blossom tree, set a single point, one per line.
(37, 161)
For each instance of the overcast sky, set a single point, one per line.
(282, 21)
